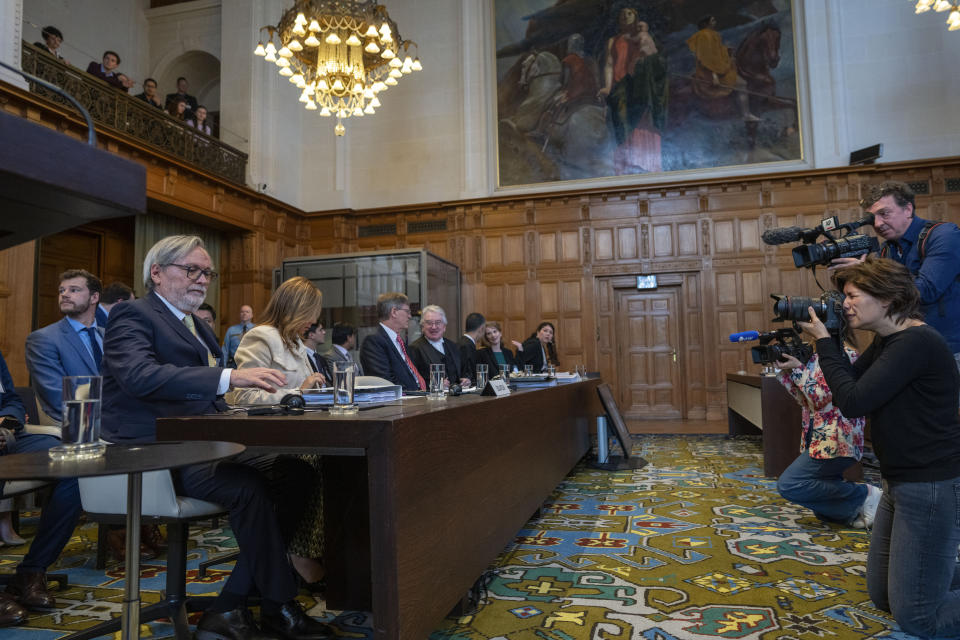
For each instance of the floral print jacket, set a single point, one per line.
(826, 432)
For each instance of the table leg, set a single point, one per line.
(130, 621)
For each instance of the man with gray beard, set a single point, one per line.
(161, 360)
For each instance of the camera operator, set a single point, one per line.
(907, 383)
(929, 250)
(829, 444)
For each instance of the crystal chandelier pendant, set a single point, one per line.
(340, 54)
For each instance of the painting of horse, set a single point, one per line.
(599, 88)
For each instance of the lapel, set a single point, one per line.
(181, 329)
(71, 337)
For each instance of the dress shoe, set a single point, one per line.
(151, 537)
(293, 624)
(11, 612)
(117, 546)
(230, 625)
(30, 590)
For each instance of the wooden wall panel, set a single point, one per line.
(570, 246)
(627, 242)
(662, 240)
(548, 247)
(603, 244)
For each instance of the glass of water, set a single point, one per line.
(80, 429)
(582, 371)
(528, 369)
(344, 375)
(437, 375)
(504, 372)
(482, 375)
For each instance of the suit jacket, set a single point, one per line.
(102, 317)
(263, 347)
(53, 352)
(380, 357)
(334, 356)
(468, 356)
(10, 403)
(112, 78)
(153, 367)
(425, 354)
(532, 354)
(486, 356)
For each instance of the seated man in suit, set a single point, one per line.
(160, 360)
(28, 589)
(72, 346)
(312, 338)
(468, 343)
(344, 340)
(384, 353)
(433, 348)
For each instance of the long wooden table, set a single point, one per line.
(420, 496)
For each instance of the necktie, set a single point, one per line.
(188, 320)
(413, 369)
(95, 346)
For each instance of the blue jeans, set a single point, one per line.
(819, 486)
(912, 569)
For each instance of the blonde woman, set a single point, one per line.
(276, 343)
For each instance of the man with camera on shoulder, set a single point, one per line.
(929, 249)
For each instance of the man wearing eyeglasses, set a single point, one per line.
(160, 360)
(433, 348)
(385, 353)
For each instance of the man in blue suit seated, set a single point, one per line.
(73, 346)
(28, 589)
(161, 360)
(384, 353)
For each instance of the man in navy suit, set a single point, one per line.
(71, 347)
(384, 353)
(28, 588)
(161, 360)
(113, 294)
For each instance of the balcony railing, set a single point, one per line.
(116, 110)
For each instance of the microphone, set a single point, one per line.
(744, 336)
(783, 235)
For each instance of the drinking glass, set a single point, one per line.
(551, 371)
(582, 371)
(528, 369)
(482, 375)
(504, 372)
(437, 374)
(80, 429)
(344, 376)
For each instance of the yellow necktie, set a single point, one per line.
(188, 320)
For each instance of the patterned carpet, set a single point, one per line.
(696, 545)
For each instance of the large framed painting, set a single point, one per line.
(600, 88)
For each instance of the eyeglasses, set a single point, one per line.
(433, 323)
(194, 272)
(407, 309)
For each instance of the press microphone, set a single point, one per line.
(744, 336)
(783, 235)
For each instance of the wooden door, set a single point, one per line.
(72, 249)
(648, 354)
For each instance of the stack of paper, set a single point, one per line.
(535, 381)
(565, 377)
(361, 395)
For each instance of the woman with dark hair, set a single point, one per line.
(907, 383)
(199, 120)
(177, 108)
(539, 349)
(492, 352)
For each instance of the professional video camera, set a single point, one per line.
(812, 253)
(828, 307)
(785, 342)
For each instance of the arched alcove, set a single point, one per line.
(202, 71)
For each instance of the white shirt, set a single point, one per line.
(438, 345)
(224, 385)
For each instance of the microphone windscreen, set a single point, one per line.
(744, 336)
(783, 235)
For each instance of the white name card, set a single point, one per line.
(496, 387)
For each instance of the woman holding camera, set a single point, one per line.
(907, 382)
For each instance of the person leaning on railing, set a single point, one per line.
(105, 71)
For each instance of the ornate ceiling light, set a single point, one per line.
(953, 19)
(341, 54)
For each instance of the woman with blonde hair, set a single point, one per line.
(276, 343)
(492, 352)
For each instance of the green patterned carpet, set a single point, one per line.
(696, 545)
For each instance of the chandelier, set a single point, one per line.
(953, 19)
(341, 54)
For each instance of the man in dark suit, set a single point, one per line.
(312, 338)
(181, 94)
(344, 340)
(72, 346)
(384, 353)
(160, 360)
(433, 348)
(28, 588)
(468, 343)
(114, 293)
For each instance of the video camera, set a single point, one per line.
(786, 342)
(812, 253)
(828, 307)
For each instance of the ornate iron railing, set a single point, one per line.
(121, 112)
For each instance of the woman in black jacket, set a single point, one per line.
(492, 352)
(539, 349)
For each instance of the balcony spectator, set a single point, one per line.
(182, 94)
(105, 71)
(52, 39)
(177, 108)
(199, 120)
(149, 94)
